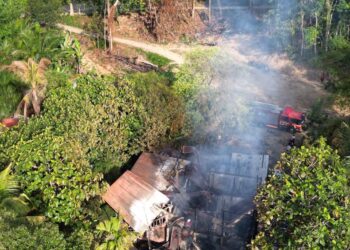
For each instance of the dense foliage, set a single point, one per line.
(305, 204)
(19, 233)
(46, 12)
(87, 128)
(311, 25)
(317, 30)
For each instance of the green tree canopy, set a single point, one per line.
(307, 204)
(87, 127)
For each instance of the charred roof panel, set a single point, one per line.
(138, 202)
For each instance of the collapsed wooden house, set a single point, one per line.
(176, 203)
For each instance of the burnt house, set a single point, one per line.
(201, 201)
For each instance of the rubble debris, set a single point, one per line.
(136, 63)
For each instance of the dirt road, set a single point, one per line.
(154, 48)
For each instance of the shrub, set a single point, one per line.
(10, 14)
(18, 233)
(10, 94)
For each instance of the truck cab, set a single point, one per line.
(273, 116)
(289, 118)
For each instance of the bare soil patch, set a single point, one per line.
(123, 59)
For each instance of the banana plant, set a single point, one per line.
(116, 235)
(71, 49)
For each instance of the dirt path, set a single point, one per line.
(154, 48)
(256, 73)
(272, 77)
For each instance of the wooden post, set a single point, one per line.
(71, 9)
(193, 7)
(302, 33)
(222, 226)
(210, 10)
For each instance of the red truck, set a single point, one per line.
(9, 122)
(273, 116)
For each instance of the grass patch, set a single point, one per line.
(157, 59)
(76, 21)
(154, 58)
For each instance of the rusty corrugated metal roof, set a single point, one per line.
(157, 170)
(135, 200)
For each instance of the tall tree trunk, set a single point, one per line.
(316, 25)
(193, 7)
(149, 5)
(328, 10)
(302, 15)
(105, 28)
(111, 11)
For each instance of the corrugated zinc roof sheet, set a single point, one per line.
(135, 200)
(157, 170)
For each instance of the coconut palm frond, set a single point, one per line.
(8, 185)
(20, 69)
(18, 205)
(33, 74)
(43, 66)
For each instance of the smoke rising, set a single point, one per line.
(247, 69)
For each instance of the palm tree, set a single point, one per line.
(32, 74)
(10, 198)
(8, 185)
